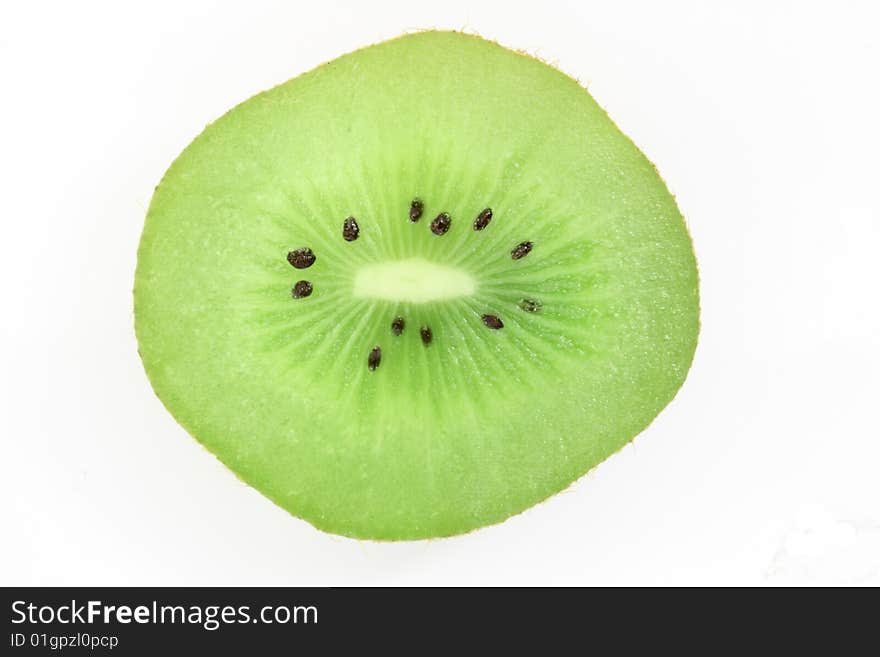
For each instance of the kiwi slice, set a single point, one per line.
(415, 290)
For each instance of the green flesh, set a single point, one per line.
(479, 424)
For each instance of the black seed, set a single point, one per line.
(493, 321)
(530, 305)
(426, 334)
(374, 358)
(301, 289)
(415, 209)
(397, 325)
(521, 250)
(350, 230)
(483, 219)
(301, 258)
(441, 224)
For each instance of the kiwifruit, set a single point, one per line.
(284, 241)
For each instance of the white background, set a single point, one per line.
(762, 117)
